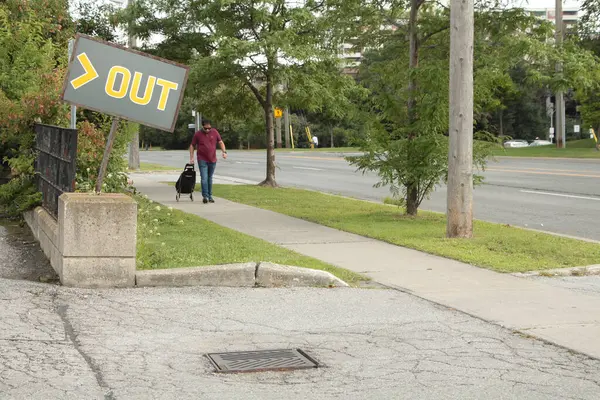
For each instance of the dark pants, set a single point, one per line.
(207, 170)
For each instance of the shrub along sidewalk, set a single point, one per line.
(169, 238)
(498, 247)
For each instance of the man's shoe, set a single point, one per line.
(205, 200)
(211, 201)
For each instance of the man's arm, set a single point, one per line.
(192, 149)
(191, 154)
(222, 145)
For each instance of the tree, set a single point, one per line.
(32, 38)
(95, 20)
(522, 110)
(589, 34)
(255, 45)
(407, 75)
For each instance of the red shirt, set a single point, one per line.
(205, 142)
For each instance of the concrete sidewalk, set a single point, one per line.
(555, 314)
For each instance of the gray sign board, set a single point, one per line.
(112, 79)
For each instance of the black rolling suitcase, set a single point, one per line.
(186, 182)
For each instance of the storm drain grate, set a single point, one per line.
(263, 360)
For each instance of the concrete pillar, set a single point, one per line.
(97, 240)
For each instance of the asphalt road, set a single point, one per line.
(554, 195)
(64, 343)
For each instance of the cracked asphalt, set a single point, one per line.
(62, 343)
(21, 256)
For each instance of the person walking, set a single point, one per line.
(205, 143)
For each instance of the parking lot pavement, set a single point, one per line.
(65, 343)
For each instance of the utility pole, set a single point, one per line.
(460, 154)
(134, 146)
(561, 141)
(278, 133)
(198, 121)
(278, 114)
(286, 127)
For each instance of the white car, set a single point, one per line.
(540, 143)
(511, 144)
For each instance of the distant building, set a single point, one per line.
(352, 54)
(570, 15)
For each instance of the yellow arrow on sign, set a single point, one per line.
(90, 72)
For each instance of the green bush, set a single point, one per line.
(18, 196)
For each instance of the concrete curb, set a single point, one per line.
(274, 275)
(576, 271)
(264, 275)
(232, 275)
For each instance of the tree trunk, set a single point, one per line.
(460, 154)
(268, 108)
(134, 152)
(412, 200)
(331, 134)
(134, 146)
(501, 117)
(412, 195)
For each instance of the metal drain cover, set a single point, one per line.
(263, 360)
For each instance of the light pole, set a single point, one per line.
(73, 108)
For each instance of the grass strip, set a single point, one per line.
(170, 238)
(149, 167)
(575, 149)
(498, 247)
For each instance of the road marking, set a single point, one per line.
(541, 173)
(591, 159)
(561, 195)
(545, 170)
(246, 162)
(308, 168)
(316, 158)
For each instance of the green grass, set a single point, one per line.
(190, 241)
(581, 144)
(575, 149)
(498, 247)
(148, 167)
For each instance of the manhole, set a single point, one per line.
(263, 360)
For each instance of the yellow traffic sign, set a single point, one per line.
(278, 112)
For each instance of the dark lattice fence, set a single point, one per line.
(55, 163)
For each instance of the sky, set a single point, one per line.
(515, 3)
